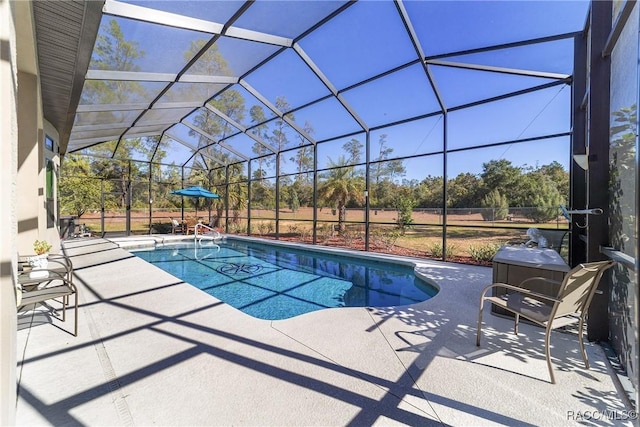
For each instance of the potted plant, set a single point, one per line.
(41, 248)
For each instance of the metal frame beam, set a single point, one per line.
(275, 110)
(214, 140)
(505, 45)
(169, 19)
(195, 149)
(325, 80)
(238, 126)
(618, 26)
(598, 116)
(502, 70)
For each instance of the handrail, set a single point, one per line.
(195, 228)
(616, 255)
(217, 237)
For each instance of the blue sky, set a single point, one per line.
(369, 38)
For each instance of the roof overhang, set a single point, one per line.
(65, 32)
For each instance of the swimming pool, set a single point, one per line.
(272, 282)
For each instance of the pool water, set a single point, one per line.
(271, 282)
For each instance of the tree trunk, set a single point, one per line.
(342, 216)
(219, 212)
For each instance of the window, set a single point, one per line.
(49, 192)
(48, 143)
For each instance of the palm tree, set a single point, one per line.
(341, 186)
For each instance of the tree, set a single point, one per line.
(542, 198)
(263, 195)
(77, 192)
(304, 156)
(383, 172)
(429, 192)
(113, 52)
(278, 136)
(385, 194)
(353, 147)
(558, 175)
(496, 206)
(304, 192)
(464, 191)
(164, 184)
(231, 103)
(237, 199)
(121, 171)
(260, 130)
(404, 207)
(622, 185)
(294, 202)
(503, 176)
(210, 63)
(386, 169)
(340, 186)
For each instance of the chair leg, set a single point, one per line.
(515, 324)
(75, 317)
(581, 342)
(479, 328)
(547, 350)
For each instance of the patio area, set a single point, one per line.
(154, 350)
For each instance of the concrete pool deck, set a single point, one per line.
(152, 349)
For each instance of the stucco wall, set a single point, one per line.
(22, 177)
(30, 185)
(8, 214)
(31, 178)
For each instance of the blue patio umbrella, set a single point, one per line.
(197, 192)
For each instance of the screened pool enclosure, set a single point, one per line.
(430, 127)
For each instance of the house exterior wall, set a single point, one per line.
(23, 177)
(29, 160)
(32, 164)
(8, 212)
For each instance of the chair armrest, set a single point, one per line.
(555, 284)
(61, 261)
(540, 279)
(56, 257)
(517, 289)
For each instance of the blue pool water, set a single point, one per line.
(272, 282)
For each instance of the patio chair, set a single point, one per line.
(176, 226)
(49, 284)
(57, 262)
(568, 306)
(189, 225)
